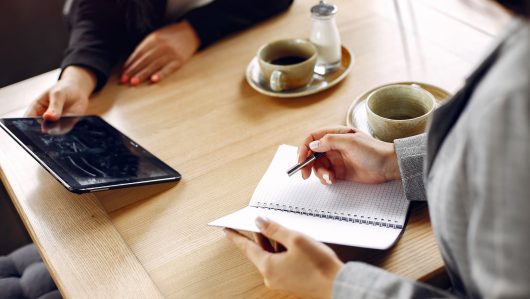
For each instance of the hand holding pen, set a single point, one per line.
(349, 155)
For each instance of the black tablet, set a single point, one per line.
(87, 154)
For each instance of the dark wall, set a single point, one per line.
(12, 232)
(32, 39)
(33, 36)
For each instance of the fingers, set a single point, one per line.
(55, 105)
(306, 172)
(143, 63)
(324, 172)
(38, 107)
(317, 135)
(252, 250)
(145, 69)
(51, 127)
(144, 74)
(331, 142)
(60, 127)
(140, 51)
(275, 231)
(160, 54)
(166, 70)
(303, 153)
(305, 150)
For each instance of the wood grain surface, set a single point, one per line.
(79, 244)
(210, 125)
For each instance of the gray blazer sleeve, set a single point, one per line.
(499, 223)
(411, 153)
(360, 280)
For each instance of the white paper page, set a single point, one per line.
(320, 229)
(382, 203)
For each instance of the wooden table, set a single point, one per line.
(208, 123)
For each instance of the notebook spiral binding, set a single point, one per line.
(329, 215)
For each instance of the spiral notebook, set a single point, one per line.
(346, 213)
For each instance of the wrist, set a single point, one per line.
(192, 37)
(82, 78)
(332, 274)
(392, 167)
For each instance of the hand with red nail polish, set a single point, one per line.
(135, 81)
(68, 96)
(161, 53)
(124, 79)
(155, 78)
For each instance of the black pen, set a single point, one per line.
(299, 166)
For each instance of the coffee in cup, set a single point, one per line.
(287, 64)
(399, 111)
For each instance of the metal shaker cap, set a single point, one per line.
(323, 9)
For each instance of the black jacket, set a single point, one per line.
(101, 31)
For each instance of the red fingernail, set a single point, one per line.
(49, 116)
(135, 81)
(155, 78)
(124, 79)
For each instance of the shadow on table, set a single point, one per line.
(384, 258)
(418, 214)
(248, 92)
(113, 200)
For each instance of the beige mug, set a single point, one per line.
(287, 64)
(399, 111)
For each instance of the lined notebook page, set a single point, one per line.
(382, 203)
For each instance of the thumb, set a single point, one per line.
(55, 108)
(273, 230)
(330, 142)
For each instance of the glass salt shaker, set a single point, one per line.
(325, 36)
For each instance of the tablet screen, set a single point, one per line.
(87, 154)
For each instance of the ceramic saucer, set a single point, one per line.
(318, 84)
(357, 117)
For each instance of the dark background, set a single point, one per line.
(12, 232)
(33, 36)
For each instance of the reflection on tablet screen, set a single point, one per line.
(87, 149)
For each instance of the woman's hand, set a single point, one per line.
(160, 53)
(307, 268)
(68, 96)
(350, 155)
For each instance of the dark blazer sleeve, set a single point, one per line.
(223, 17)
(99, 30)
(97, 36)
